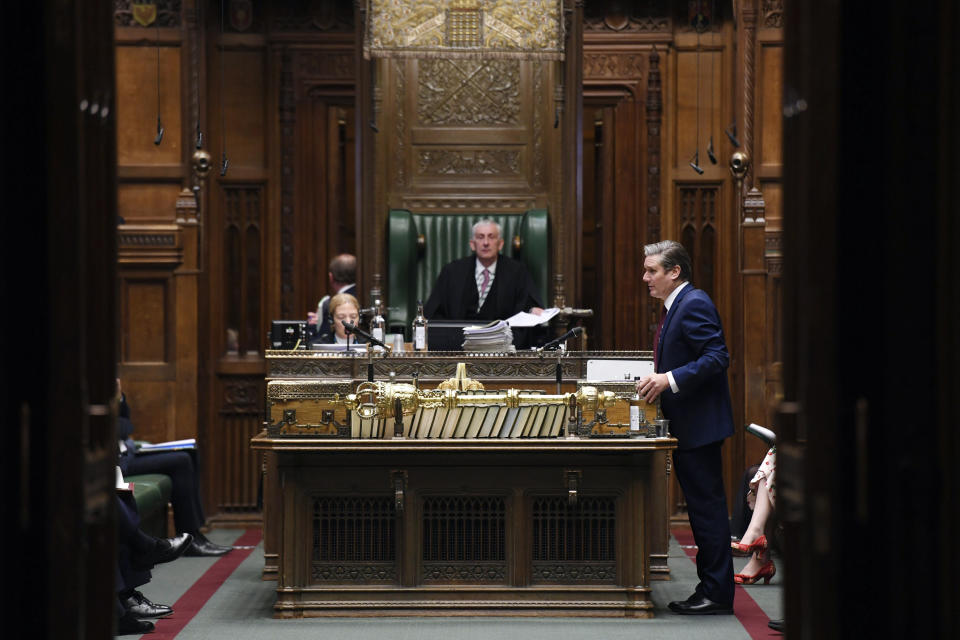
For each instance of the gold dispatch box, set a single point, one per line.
(344, 409)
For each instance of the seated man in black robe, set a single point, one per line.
(485, 286)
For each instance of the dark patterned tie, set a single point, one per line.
(656, 338)
(483, 288)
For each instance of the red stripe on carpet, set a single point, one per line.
(203, 589)
(748, 612)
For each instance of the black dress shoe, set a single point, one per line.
(131, 625)
(776, 625)
(138, 605)
(165, 550)
(700, 606)
(203, 547)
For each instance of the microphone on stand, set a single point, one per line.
(352, 328)
(556, 341)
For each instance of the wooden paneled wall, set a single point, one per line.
(319, 143)
(159, 237)
(658, 94)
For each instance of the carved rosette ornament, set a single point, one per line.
(242, 397)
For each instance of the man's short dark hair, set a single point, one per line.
(344, 268)
(672, 254)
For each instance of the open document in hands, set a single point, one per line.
(524, 319)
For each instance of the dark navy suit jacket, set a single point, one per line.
(692, 346)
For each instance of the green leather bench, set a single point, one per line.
(420, 244)
(151, 491)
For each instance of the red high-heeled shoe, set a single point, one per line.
(760, 544)
(766, 572)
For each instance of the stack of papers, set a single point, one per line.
(173, 445)
(495, 336)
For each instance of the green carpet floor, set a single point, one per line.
(241, 609)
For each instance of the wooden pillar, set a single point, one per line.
(186, 285)
(753, 276)
(567, 253)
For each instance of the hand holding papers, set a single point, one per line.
(524, 319)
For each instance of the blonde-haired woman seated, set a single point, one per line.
(343, 308)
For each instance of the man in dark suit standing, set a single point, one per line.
(484, 286)
(690, 364)
(342, 276)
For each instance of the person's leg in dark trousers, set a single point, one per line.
(187, 511)
(185, 497)
(128, 527)
(700, 473)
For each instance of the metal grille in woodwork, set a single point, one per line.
(354, 540)
(575, 544)
(464, 539)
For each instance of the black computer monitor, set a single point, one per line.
(447, 335)
(288, 334)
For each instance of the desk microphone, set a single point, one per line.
(352, 328)
(556, 341)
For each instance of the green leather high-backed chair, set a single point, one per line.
(413, 267)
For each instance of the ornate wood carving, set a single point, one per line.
(314, 16)
(654, 110)
(242, 396)
(128, 238)
(626, 17)
(240, 15)
(149, 246)
(610, 65)
(287, 108)
(539, 167)
(773, 252)
(468, 163)
(749, 24)
(232, 468)
(773, 14)
(754, 206)
(168, 14)
(400, 77)
(317, 64)
(467, 204)
(194, 36)
(468, 92)
(436, 365)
